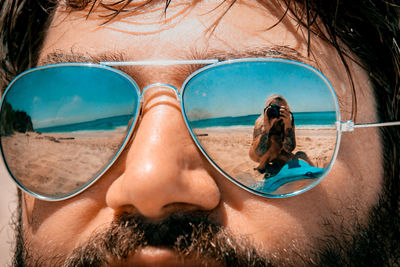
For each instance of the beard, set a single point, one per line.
(194, 235)
(191, 235)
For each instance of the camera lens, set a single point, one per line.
(273, 111)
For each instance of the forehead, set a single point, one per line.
(188, 29)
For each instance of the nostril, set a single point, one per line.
(125, 210)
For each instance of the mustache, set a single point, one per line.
(189, 235)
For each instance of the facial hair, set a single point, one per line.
(191, 235)
(195, 235)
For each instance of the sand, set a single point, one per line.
(59, 162)
(229, 148)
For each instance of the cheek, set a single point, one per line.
(342, 199)
(277, 224)
(355, 181)
(359, 163)
(64, 223)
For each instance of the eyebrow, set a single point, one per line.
(284, 52)
(209, 57)
(180, 71)
(59, 56)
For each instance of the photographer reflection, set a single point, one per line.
(274, 137)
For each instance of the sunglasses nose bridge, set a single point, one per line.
(159, 85)
(157, 94)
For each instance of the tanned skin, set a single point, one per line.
(274, 138)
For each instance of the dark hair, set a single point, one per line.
(23, 25)
(368, 28)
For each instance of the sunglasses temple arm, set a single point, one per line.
(349, 126)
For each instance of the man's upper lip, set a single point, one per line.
(156, 256)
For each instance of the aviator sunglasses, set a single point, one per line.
(271, 126)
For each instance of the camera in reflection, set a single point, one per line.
(273, 111)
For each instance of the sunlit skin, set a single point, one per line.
(262, 153)
(162, 171)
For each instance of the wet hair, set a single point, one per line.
(365, 31)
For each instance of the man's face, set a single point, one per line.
(163, 174)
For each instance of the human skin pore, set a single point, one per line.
(162, 172)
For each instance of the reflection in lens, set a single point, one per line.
(268, 125)
(62, 126)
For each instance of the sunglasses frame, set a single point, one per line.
(124, 144)
(280, 60)
(210, 63)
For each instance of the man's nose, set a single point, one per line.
(164, 171)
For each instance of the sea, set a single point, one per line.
(302, 120)
(104, 124)
(325, 119)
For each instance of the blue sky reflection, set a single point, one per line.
(72, 94)
(241, 89)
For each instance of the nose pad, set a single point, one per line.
(159, 94)
(164, 172)
(160, 85)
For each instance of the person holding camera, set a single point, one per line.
(273, 136)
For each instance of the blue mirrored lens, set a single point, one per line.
(62, 126)
(268, 125)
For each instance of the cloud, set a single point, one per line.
(198, 114)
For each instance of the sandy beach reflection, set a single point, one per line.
(59, 162)
(229, 146)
